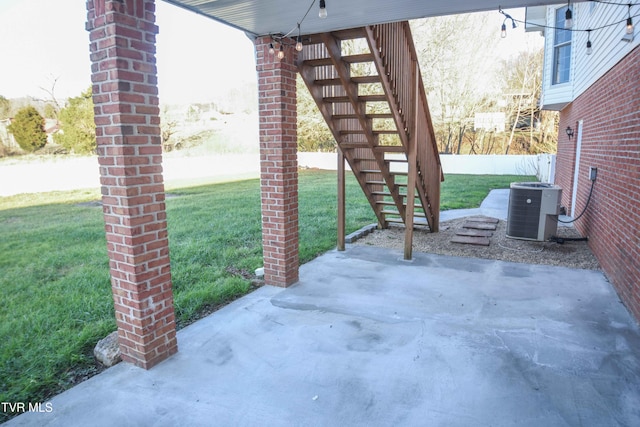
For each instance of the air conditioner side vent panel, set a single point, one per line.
(532, 210)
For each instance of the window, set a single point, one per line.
(561, 49)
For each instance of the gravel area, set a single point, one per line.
(572, 254)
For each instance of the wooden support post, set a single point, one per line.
(412, 172)
(341, 201)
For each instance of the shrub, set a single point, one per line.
(28, 129)
(77, 128)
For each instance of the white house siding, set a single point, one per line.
(608, 49)
(558, 95)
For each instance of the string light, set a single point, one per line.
(629, 28)
(503, 29)
(322, 13)
(299, 41)
(568, 17)
(284, 40)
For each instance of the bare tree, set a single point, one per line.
(523, 87)
(458, 68)
(52, 106)
(168, 127)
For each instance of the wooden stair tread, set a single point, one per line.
(361, 98)
(361, 132)
(318, 62)
(367, 116)
(350, 34)
(350, 59)
(395, 220)
(416, 221)
(348, 145)
(390, 148)
(361, 57)
(415, 214)
(357, 80)
(366, 79)
(328, 82)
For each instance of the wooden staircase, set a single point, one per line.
(367, 84)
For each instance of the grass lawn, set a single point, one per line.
(54, 272)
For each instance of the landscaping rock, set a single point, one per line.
(107, 351)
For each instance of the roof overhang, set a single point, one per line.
(264, 17)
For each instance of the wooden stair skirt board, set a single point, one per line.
(374, 103)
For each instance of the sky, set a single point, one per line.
(40, 40)
(198, 58)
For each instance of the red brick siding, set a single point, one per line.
(610, 111)
(122, 36)
(278, 164)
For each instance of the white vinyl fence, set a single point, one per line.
(67, 173)
(541, 165)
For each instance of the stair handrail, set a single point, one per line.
(394, 45)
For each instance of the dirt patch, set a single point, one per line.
(571, 254)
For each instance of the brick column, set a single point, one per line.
(125, 95)
(278, 163)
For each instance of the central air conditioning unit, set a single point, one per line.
(533, 210)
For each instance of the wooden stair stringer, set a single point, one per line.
(332, 45)
(307, 74)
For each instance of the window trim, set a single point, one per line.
(557, 47)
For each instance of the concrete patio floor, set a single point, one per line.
(367, 339)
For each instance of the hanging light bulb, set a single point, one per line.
(281, 51)
(629, 22)
(322, 13)
(503, 31)
(589, 49)
(299, 41)
(272, 50)
(568, 17)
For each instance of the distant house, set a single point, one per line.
(51, 127)
(592, 77)
(6, 138)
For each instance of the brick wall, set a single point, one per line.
(278, 163)
(610, 111)
(125, 95)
